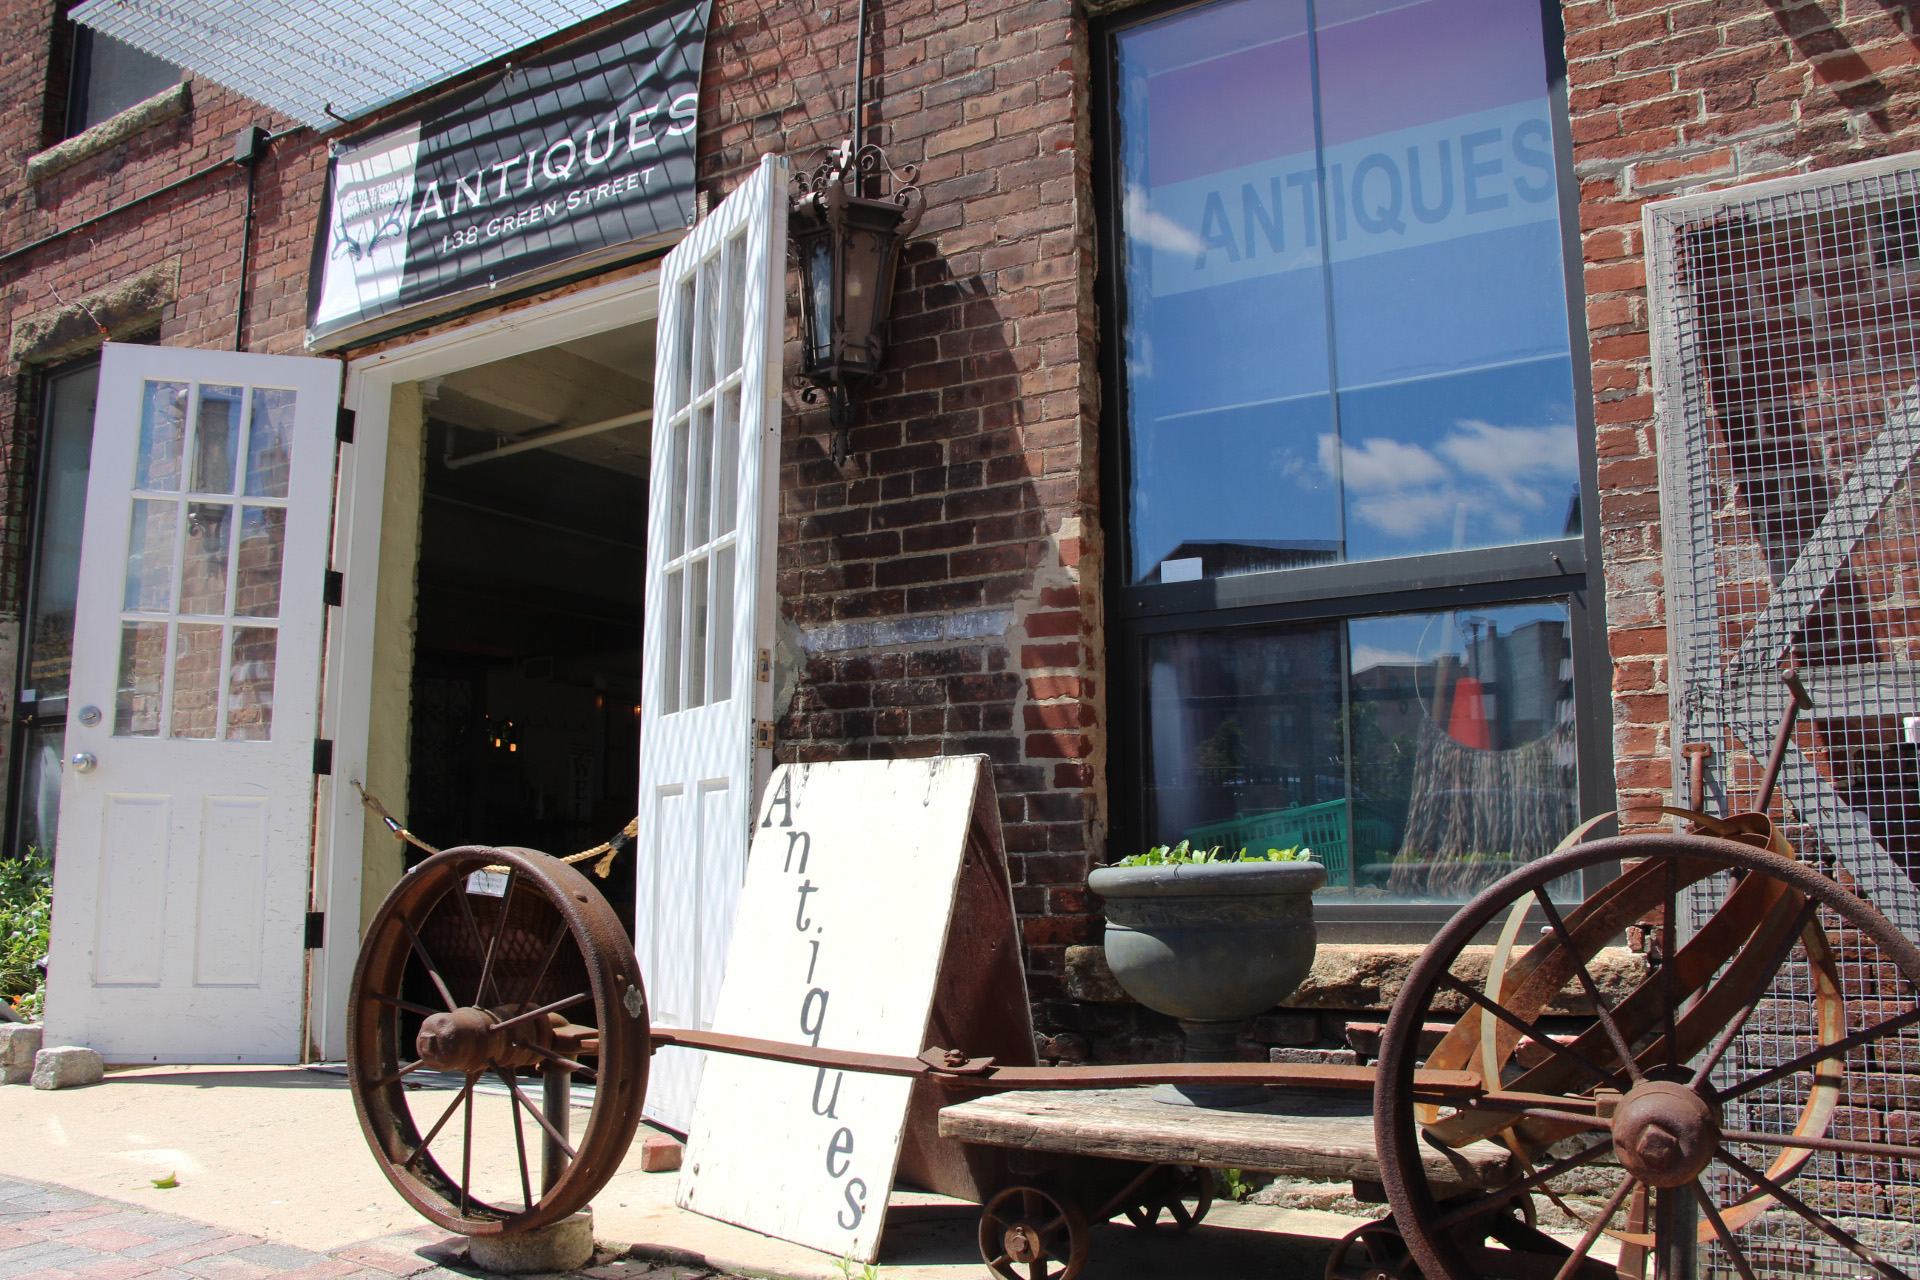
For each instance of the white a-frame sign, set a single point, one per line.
(710, 606)
(877, 917)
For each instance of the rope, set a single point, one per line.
(606, 852)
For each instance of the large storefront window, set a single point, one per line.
(1353, 570)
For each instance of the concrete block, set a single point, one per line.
(659, 1154)
(567, 1245)
(66, 1067)
(19, 1041)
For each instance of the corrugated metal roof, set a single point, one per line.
(306, 57)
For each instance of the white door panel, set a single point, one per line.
(710, 606)
(181, 883)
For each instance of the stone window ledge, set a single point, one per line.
(168, 104)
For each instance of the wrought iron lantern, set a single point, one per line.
(847, 244)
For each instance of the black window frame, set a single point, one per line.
(1566, 569)
(76, 79)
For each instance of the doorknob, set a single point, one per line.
(84, 762)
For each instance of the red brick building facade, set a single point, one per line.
(949, 583)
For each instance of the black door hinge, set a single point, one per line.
(323, 757)
(336, 583)
(316, 930)
(343, 426)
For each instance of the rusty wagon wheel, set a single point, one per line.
(1033, 1233)
(1696, 1096)
(484, 989)
(1183, 1192)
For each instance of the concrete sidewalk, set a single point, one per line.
(275, 1153)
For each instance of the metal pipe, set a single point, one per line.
(556, 1103)
(1677, 1229)
(550, 437)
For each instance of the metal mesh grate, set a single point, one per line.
(1786, 324)
(324, 61)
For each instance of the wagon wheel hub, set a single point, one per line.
(463, 1041)
(1665, 1133)
(1023, 1243)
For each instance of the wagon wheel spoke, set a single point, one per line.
(1594, 1228)
(401, 1074)
(493, 943)
(555, 1007)
(1734, 1251)
(433, 971)
(438, 1125)
(1813, 1057)
(1885, 1151)
(1840, 1235)
(408, 1005)
(539, 1115)
(556, 1059)
(1763, 980)
(540, 975)
(1533, 1033)
(519, 1146)
(461, 895)
(1494, 1199)
(1587, 984)
(466, 1147)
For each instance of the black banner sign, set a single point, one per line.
(589, 148)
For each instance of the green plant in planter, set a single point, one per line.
(26, 910)
(1183, 855)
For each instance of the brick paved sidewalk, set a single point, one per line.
(54, 1233)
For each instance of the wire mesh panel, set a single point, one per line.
(1786, 333)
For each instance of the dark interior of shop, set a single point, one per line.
(526, 676)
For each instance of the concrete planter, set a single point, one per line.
(1211, 944)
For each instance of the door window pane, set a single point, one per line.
(150, 555)
(163, 418)
(250, 684)
(270, 443)
(1420, 756)
(203, 567)
(723, 624)
(196, 680)
(216, 438)
(263, 543)
(143, 663)
(1346, 329)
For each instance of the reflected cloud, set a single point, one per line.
(1479, 478)
(1157, 229)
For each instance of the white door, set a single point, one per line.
(709, 621)
(180, 887)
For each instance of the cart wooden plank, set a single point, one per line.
(1300, 1132)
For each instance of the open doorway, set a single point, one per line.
(531, 578)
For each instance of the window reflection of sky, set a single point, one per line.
(1453, 426)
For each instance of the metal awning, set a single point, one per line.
(324, 61)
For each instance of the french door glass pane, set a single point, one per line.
(163, 417)
(216, 438)
(1420, 756)
(150, 555)
(203, 568)
(722, 682)
(263, 543)
(1346, 328)
(196, 680)
(250, 684)
(270, 443)
(143, 664)
(672, 628)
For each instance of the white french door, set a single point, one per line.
(181, 884)
(709, 603)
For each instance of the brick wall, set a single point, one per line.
(943, 582)
(1668, 98)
